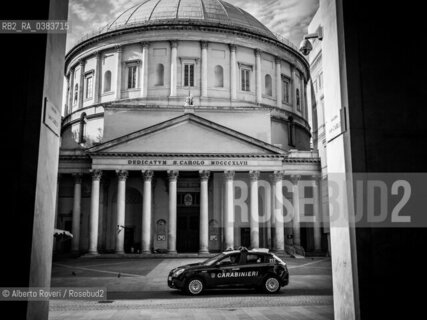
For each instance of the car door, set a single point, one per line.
(253, 269)
(224, 271)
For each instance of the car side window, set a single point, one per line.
(254, 258)
(230, 260)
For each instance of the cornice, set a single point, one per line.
(203, 26)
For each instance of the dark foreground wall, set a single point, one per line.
(386, 69)
(32, 70)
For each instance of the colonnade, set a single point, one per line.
(276, 207)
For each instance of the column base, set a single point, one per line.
(299, 250)
(172, 252)
(146, 252)
(203, 251)
(93, 253)
(279, 251)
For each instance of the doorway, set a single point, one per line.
(188, 222)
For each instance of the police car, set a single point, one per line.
(258, 269)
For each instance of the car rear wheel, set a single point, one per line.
(271, 285)
(194, 286)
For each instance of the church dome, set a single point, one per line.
(194, 12)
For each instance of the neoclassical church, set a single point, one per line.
(186, 131)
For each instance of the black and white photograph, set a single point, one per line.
(213, 159)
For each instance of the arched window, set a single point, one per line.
(107, 81)
(76, 93)
(160, 75)
(268, 85)
(82, 131)
(298, 101)
(219, 77)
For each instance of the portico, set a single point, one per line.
(192, 196)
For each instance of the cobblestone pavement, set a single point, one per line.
(141, 292)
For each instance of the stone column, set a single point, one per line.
(121, 208)
(119, 73)
(268, 224)
(254, 209)
(229, 209)
(144, 70)
(278, 213)
(273, 210)
(204, 213)
(82, 83)
(296, 218)
(174, 68)
(233, 72)
(316, 213)
(294, 89)
(94, 212)
(303, 99)
(75, 247)
(173, 176)
(146, 212)
(71, 97)
(97, 77)
(279, 92)
(204, 69)
(258, 76)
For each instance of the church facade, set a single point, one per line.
(186, 130)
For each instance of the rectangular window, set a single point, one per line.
(188, 75)
(245, 79)
(285, 90)
(132, 76)
(89, 87)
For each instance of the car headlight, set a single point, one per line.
(178, 272)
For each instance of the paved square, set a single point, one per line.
(137, 289)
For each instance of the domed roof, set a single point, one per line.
(204, 12)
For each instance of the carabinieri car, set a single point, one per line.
(257, 269)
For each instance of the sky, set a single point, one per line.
(290, 18)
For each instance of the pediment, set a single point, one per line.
(187, 134)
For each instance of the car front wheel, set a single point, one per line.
(271, 285)
(194, 287)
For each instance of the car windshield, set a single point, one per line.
(213, 260)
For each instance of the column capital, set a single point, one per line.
(316, 178)
(174, 43)
(77, 177)
(232, 47)
(204, 44)
(118, 48)
(97, 54)
(295, 178)
(122, 174)
(96, 174)
(229, 175)
(145, 44)
(277, 176)
(204, 174)
(173, 175)
(82, 62)
(254, 175)
(148, 175)
(257, 52)
(277, 60)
